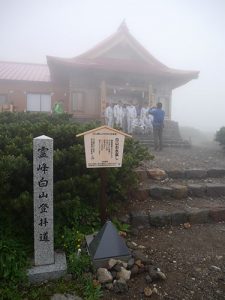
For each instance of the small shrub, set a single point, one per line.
(78, 264)
(220, 136)
(91, 291)
(13, 261)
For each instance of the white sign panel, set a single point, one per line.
(104, 148)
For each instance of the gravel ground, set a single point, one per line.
(193, 259)
(208, 155)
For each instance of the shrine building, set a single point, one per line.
(117, 69)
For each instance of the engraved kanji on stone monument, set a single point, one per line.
(43, 200)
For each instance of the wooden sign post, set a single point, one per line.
(103, 149)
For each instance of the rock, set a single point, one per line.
(131, 245)
(117, 267)
(120, 286)
(114, 273)
(148, 279)
(65, 297)
(147, 291)
(219, 257)
(161, 275)
(123, 234)
(187, 225)
(134, 270)
(104, 276)
(111, 263)
(156, 274)
(130, 263)
(124, 274)
(156, 174)
(137, 254)
(109, 286)
(155, 291)
(215, 268)
(141, 247)
(138, 263)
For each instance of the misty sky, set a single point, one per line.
(183, 34)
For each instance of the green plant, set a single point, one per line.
(71, 240)
(13, 261)
(79, 263)
(91, 291)
(121, 226)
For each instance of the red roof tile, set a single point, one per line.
(24, 72)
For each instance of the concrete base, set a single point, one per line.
(38, 274)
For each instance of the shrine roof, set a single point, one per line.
(97, 58)
(24, 72)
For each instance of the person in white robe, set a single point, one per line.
(109, 118)
(118, 115)
(131, 115)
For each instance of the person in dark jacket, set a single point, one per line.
(158, 124)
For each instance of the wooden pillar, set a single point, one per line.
(152, 101)
(103, 99)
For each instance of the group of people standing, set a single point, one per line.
(128, 117)
(137, 119)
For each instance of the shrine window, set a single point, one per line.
(39, 102)
(78, 99)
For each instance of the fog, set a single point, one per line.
(183, 34)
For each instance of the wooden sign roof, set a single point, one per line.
(103, 127)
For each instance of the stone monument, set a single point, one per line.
(47, 263)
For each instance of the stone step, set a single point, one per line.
(186, 174)
(177, 217)
(178, 191)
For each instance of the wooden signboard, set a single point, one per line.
(104, 147)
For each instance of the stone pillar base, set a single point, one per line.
(38, 274)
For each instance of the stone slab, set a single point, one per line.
(196, 190)
(141, 194)
(139, 218)
(160, 192)
(179, 191)
(160, 218)
(217, 214)
(197, 216)
(196, 174)
(216, 172)
(215, 190)
(38, 274)
(178, 217)
(176, 174)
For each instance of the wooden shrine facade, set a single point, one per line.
(117, 69)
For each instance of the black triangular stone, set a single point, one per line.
(108, 243)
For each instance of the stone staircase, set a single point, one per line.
(183, 196)
(171, 136)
